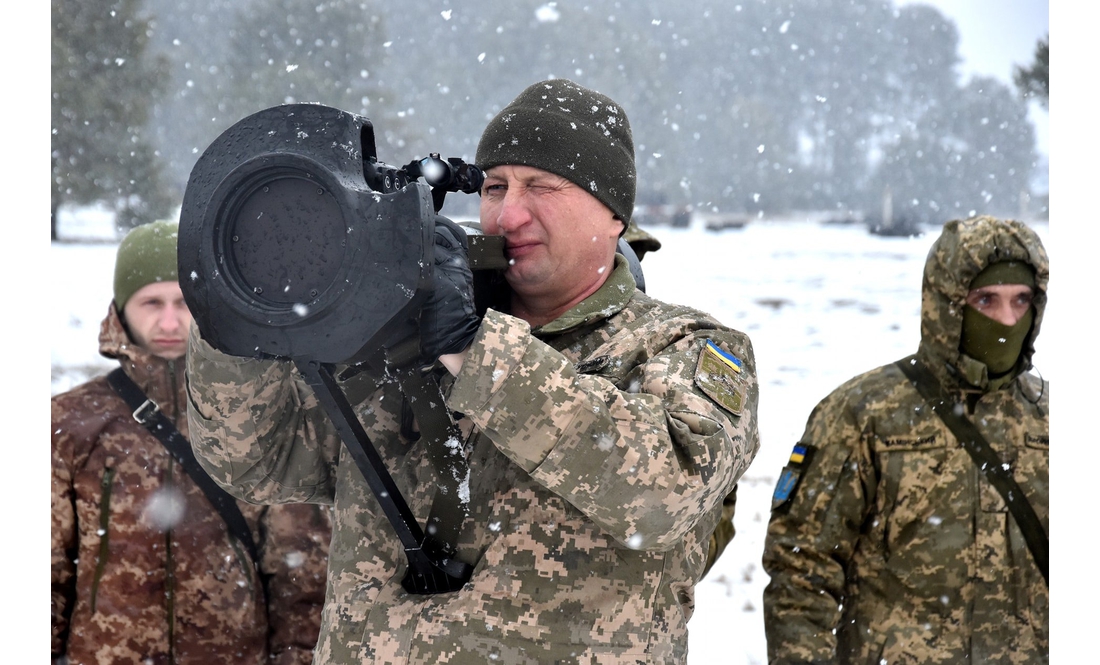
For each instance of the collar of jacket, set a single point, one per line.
(607, 301)
(159, 379)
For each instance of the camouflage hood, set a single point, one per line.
(964, 249)
(159, 379)
(114, 339)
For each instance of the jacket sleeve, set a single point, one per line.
(63, 534)
(294, 564)
(811, 536)
(257, 429)
(723, 533)
(646, 463)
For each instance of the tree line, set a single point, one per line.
(755, 106)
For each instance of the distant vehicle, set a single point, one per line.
(842, 219)
(890, 223)
(662, 214)
(725, 221)
(897, 226)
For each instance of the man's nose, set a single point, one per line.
(1006, 314)
(513, 212)
(171, 319)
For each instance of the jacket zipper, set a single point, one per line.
(104, 535)
(169, 554)
(170, 575)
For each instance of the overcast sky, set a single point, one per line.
(994, 37)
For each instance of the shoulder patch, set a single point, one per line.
(718, 375)
(792, 473)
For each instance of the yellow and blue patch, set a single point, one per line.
(791, 475)
(728, 358)
(719, 376)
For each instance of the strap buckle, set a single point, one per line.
(146, 412)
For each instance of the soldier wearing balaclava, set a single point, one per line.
(887, 543)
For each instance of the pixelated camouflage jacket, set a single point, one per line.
(127, 588)
(599, 464)
(892, 547)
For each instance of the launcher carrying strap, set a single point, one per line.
(148, 414)
(987, 460)
(433, 567)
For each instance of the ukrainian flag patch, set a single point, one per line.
(720, 376)
(728, 358)
(791, 476)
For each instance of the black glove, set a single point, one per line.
(448, 318)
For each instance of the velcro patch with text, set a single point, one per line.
(719, 376)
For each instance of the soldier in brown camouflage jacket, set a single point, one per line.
(143, 568)
(886, 543)
(603, 429)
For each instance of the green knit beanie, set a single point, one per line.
(147, 254)
(1005, 272)
(570, 131)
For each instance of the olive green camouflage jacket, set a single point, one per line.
(143, 569)
(600, 455)
(886, 544)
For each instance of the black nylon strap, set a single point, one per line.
(984, 457)
(440, 433)
(432, 568)
(148, 414)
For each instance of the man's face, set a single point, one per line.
(560, 240)
(1004, 303)
(158, 319)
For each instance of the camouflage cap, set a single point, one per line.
(639, 240)
(147, 254)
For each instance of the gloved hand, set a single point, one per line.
(448, 318)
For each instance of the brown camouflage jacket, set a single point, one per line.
(599, 463)
(891, 547)
(142, 567)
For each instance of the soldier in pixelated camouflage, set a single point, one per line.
(143, 567)
(886, 542)
(603, 428)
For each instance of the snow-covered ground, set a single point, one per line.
(820, 302)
